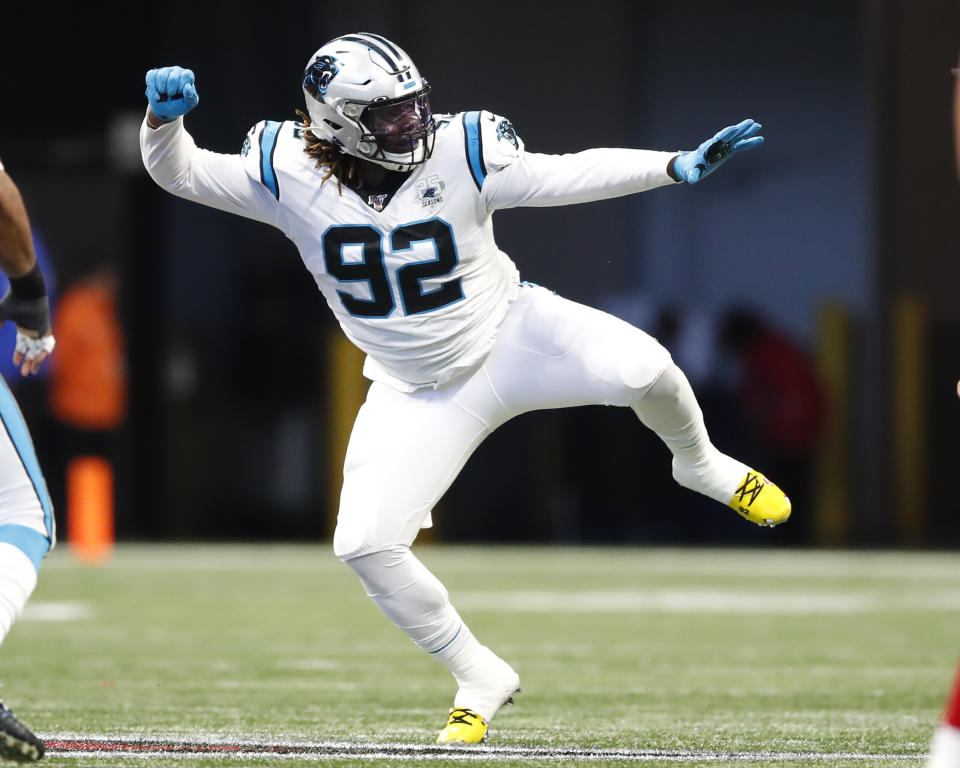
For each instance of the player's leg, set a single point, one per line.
(404, 452)
(945, 745)
(418, 604)
(669, 407)
(554, 353)
(26, 534)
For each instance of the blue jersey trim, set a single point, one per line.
(16, 427)
(268, 145)
(32, 543)
(473, 144)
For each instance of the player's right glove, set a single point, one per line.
(693, 166)
(171, 91)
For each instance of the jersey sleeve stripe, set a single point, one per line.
(473, 144)
(268, 145)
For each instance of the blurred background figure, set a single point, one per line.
(88, 402)
(780, 401)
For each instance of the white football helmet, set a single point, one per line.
(366, 97)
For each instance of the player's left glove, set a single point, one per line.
(693, 166)
(26, 303)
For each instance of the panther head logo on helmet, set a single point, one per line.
(317, 78)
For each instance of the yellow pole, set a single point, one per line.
(832, 513)
(347, 389)
(909, 376)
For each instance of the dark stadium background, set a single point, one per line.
(847, 215)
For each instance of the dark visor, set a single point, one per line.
(399, 124)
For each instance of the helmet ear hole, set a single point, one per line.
(335, 126)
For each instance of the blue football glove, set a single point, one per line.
(171, 92)
(693, 166)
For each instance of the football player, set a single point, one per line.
(390, 207)
(26, 514)
(945, 744)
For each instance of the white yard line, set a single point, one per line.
(895, 567)
(326, 750)
(704, 601)
(52, 610)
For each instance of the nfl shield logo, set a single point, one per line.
(377, 201)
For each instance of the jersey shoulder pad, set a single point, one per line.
(444, 120)
(259, 151)
(491, 143)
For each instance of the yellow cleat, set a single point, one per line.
(464, 727)
(760, 501)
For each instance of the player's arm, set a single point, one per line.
(598, 174)
(538, 180)
(176, 164)
(26, 300)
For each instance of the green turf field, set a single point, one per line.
(669, 657)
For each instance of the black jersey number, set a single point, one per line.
(368, 268)
(366, 265)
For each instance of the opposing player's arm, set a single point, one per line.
(26, 300)
(16, 242)
(178, 165)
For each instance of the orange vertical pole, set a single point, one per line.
(90, 531)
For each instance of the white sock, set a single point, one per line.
(18, 578)
(671, 410)
(417, 603)
(945, 747)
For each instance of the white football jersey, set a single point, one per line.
(415, 280)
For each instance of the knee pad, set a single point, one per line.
(368, 524)
(348, 540)
(641, 366)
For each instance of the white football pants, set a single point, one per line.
(407, 448)
(26, 513)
